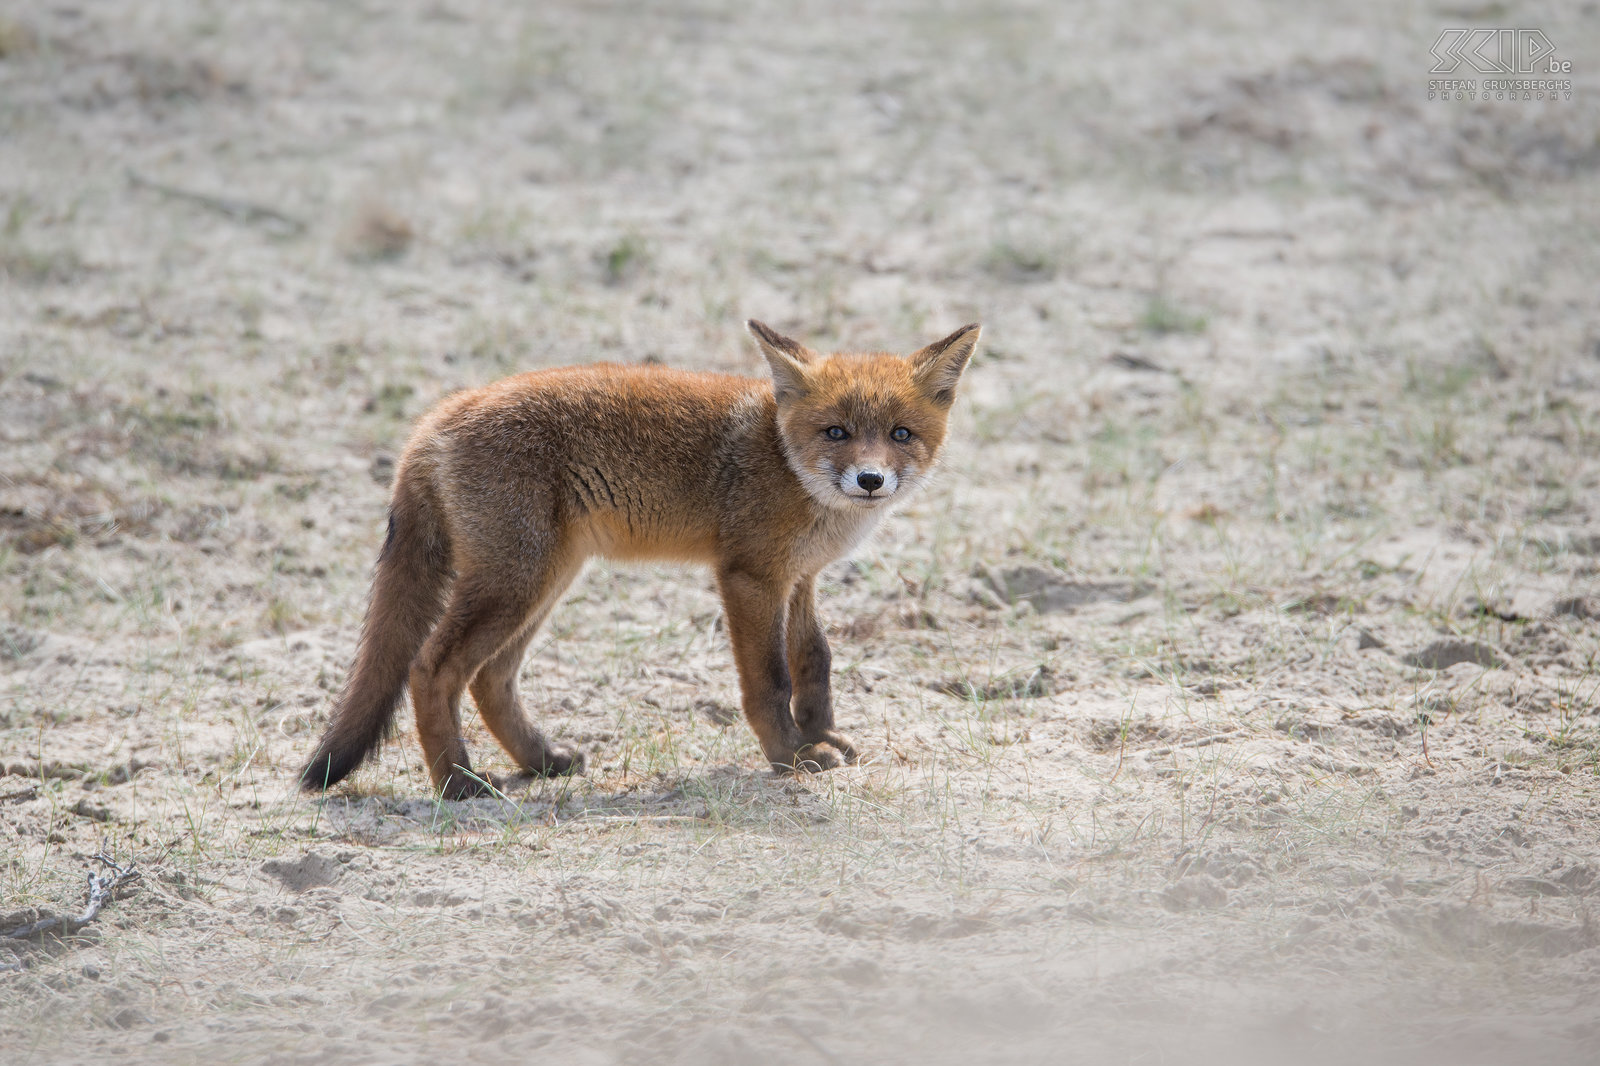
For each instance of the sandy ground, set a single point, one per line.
(1231, 697)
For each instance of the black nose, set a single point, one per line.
(869, 481)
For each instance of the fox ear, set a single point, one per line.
(788, 359)
(938, 367)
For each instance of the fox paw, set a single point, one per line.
(463, 786)
(558, 761)
(809, 759)
(842, 743)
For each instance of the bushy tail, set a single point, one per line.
(407, 597)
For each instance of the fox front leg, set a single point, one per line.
(755, 611)
(811, 667)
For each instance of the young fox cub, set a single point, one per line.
(504, 491)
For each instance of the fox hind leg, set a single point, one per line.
(494, 690)
(486, 612)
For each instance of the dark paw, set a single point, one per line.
(463, 785)
(559, 761)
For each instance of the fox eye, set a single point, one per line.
(837, 433)
(901, 434)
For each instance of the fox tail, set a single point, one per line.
(408, 590)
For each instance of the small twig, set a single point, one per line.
(1202, 742)
(102, 887)
(1129, 361)
(239, 210)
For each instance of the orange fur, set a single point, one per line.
(504, 491)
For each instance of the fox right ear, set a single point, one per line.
(786, 357)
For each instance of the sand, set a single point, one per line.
(1231, 696)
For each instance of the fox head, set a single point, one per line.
(863, 431)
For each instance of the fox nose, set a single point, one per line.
(870, 481)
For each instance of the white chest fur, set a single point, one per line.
(835, 534)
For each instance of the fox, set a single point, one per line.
(502, 493)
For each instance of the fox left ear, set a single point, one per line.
(788, 359)
(938, 367)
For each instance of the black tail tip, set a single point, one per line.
(323, 772)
